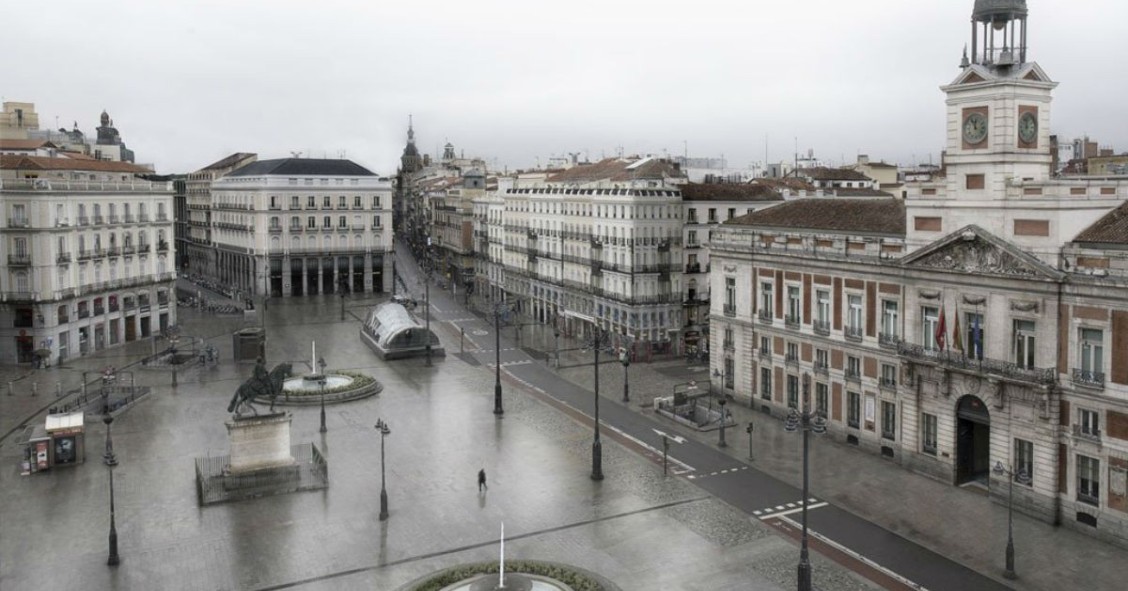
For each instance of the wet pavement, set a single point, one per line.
(636, 527)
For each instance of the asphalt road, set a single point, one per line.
(715, 472)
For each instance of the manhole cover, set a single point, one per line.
(479, 333)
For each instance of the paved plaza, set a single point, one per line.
(636, 527)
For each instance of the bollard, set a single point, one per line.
(10, 388)
(749, 431)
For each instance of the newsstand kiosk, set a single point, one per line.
(60, 441)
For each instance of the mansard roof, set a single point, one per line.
(1110, 229)
(617, 170)
(868, 216)
(972, 249)
(303, 166)
(729, 192)
(227, 162)
(21, 162)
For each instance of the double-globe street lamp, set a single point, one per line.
(599, 340)
(1023, 478)
(805, 421)
(382, 427)
(499, 307)
(111, 461)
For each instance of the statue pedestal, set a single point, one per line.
(259, 443)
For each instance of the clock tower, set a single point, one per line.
(998, 108)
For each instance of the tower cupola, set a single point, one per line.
(1001, 27)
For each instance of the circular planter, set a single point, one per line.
(469, 576)
(362, 386)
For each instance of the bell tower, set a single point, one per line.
(998, 107)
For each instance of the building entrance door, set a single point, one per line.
(973, 441)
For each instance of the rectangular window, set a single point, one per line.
(730, 371)
(356, 201)
(928, 433)
(311, 201)
(766, 300)
(889, 320)
(853, 367)
(793, 391)
(765, 346)
(730, 295)
(822, 396)
(731, 212)
(973, 345)
(729, 338)
(691, 217)
(766, 383)
(691, 238)
(792, 353)
(375, 221)
(1092, 353)
(273, 202)
(793, 303)
(327, 222)
(294, 202)
(1089, 422)
(822, 360)
(326, 201)
(822, 309)
(712, 215)
(342, 201)
(1088, 480)
(854, 316)
(311, 222)
(888, 375)
(888, 420)
(853, 409)
(1024, 343)
(1024, 461)
(341, 223)
(929, 318)
(375, 202)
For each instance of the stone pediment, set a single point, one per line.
(972, 249)
(979, 73)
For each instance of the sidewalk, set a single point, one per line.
(963, 525)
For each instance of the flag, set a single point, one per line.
(957, 338)
(977, 339)
(941, 330)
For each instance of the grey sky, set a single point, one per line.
(188, 82)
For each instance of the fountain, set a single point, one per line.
(336, 385)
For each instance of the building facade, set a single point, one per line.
(302, 226)
(974, 332)
(89, 257)
(199, 256)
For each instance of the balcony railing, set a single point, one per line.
(1088, 378)
(730, 309)
(19, 259)
(958, 360)
(887, 383)
(693, 268)
(822, 369)
(853, 375)
(821, 327)
(99, 220)
(83, 220)
(17, 222)
(791, 359)
(765, 316)
(728, 345)
(888, 340)
(766, 354)
(162, 247)
(19, 296)
(1091, 434)
(852, 333)
(162, 217)
(791, 321)
(143, 218)
(274, 229)
(63, 257)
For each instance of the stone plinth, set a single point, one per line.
(259, 443)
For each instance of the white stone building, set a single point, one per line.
(89, 259)
(302, 226)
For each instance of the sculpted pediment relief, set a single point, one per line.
(972, 250)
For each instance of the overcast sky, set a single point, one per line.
(511, 81)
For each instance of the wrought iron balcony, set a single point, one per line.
(887, 383)
(766, 354)
(99, 220)
(888, 340)
(853, 375)
(730, 309)
(852, 333)
(822, 369)
(957, 360)
(821, 327)
(728, 345)
(791, 359)
(765, 316)
(19, 259)
(1088, 378)
(63, 257)
(1088, 433)
(17, 222)
(83, 220)
(791, 321)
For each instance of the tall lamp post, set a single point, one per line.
(111, 461)
(498, 410)
(722, 401)
(625, 359)
(342, 289)
(806, 422)
(598, 341)
(1023, 478)
(382, 427)
(321, 382)
(428, 270)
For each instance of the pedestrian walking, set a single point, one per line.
(482, 480)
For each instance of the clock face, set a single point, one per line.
(975, 128)
(1028, 128)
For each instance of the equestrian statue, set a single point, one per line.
(260, 385)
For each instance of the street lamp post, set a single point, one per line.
(498, 410)
(625, 358)
(427, 311)
(321, 382)
(113, 559)
(382, 427)
(805, 422)
(722, 402)
(596, 444)
(1023, 478)
(109, 458)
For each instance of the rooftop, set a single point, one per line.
(871, 216)
(826, 173)
(10, 144)
(618, 170)
(729, 192)
(227, 162)
(303, 167)
(1110, 229)
(21, 162)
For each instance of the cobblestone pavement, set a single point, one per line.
(638, 528)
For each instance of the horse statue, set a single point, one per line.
(260, 385)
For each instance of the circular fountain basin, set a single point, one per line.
(306, 383)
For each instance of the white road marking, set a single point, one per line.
(790, 511)
(674, 438)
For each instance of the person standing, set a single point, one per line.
(482, 480)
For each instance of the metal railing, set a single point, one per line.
(821, 369)
(888, 340)
(1088, 378)
(69, 185)
(17, 222)
(958, 360)
(852, 333)
(821, 327)
(21, 259)
(765, 316)
(791, 321)
(730, 309)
